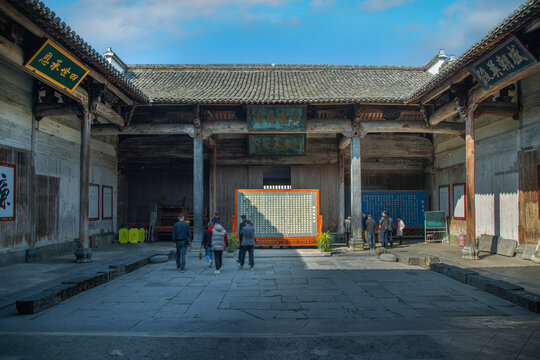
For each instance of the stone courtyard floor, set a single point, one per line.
(298, 307)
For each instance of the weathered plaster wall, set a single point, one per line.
(506, 161)
(57, 169)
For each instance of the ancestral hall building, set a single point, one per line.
(90, 147)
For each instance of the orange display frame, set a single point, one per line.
(280, 240)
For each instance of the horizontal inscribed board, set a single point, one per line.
(507, 59)
(277, 144)
(57, 66)
(276, 117)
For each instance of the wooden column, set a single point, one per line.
(341, 189)
(83, 253)
(470, 251)
(213, 169)
(32, 185)
(356, 195)
(198, 198)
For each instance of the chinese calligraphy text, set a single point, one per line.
(57, 66)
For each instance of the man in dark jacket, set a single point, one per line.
(371, 227)
(181, 237)
(242, 224)
(347, 229)
(247, 244)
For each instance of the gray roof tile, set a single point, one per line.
(274, 84)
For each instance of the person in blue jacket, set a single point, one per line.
(181, 237)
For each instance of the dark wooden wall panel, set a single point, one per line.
(16, 233)
(166, 184)
(529, 221)
(47, 196)
(325, 178)
(230, 178)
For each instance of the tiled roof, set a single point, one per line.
(61, 33)
(525, 13)
(274, 84)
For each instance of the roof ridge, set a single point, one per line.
(298, 67)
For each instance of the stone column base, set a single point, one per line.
(357, 244)
(83, 255)
(470, 253)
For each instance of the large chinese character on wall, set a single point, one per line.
(7, 192)
(508, 58)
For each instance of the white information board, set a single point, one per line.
(107, 202)
(444, 199)
(459, 201)
(93, 202)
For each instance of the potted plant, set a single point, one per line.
(324, 243)
(233, 244)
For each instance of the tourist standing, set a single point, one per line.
(347, 229)
(247, 244)
(219, 243)
(207, 244)
(216, 219)
(181, 237)
(371, 227)
(364, 219)
(400, 225)
(383, 225)
(390, 229)
(242, 224)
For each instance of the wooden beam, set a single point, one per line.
(498, 108)
(327, 126)
(445, 85)
(410, 127)
(478, 93)
(144, 129)
(443, 113)
(42, 110)
(106, 112)
(344, 142)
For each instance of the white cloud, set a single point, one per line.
(463, 23)
(145, 22)
(320, 5)
(381, 5)
(468, 21)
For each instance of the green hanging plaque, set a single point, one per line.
(277, 144)
(276, 117)
(56, 65)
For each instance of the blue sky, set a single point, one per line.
(366, 32)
